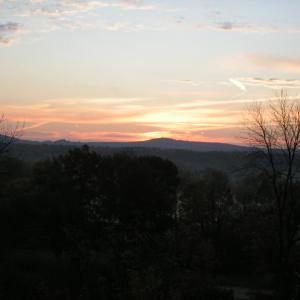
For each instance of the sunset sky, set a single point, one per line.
(129, 70)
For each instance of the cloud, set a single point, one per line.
(236, 27)
(187, 82)
(47, 16)
(123, 4)
(275, 63)
(72, 7)
(44, 16)
(238, 84)
(8, 32)
(102, 25)
(112, 118)
(133, 5)
(271, 83)
(72, 110)
(229, 26)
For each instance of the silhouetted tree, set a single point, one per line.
(274, 131)
(120, 207)
(8, 134)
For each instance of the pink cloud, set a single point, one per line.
(275, 63)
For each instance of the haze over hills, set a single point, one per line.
(159, 143)
(190, 156)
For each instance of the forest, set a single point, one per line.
(88, 226)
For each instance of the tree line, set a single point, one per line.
(87, 226)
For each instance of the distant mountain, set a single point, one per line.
(186, 160)
(165, 143)
(188, 156)
(160, 143)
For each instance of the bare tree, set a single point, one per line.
(8, 134)
(274, 131)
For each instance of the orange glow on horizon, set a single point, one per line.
(124, 120)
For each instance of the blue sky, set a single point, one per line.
(133, 70)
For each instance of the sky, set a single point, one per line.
(128, 70)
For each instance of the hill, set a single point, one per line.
(188, 156)
(165, 143)
(159, 143)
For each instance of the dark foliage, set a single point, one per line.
(88, 226)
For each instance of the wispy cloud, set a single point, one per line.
(130, 119)
(115, 119)
(72, 7)
(132, 5)
(275, 63)
(51, 15)
(238, 84)
(9, 31)
(271, 83)
(238, 27)
(186, 82)
(229, 26)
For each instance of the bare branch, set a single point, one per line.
(8, 134)
(274, 129)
